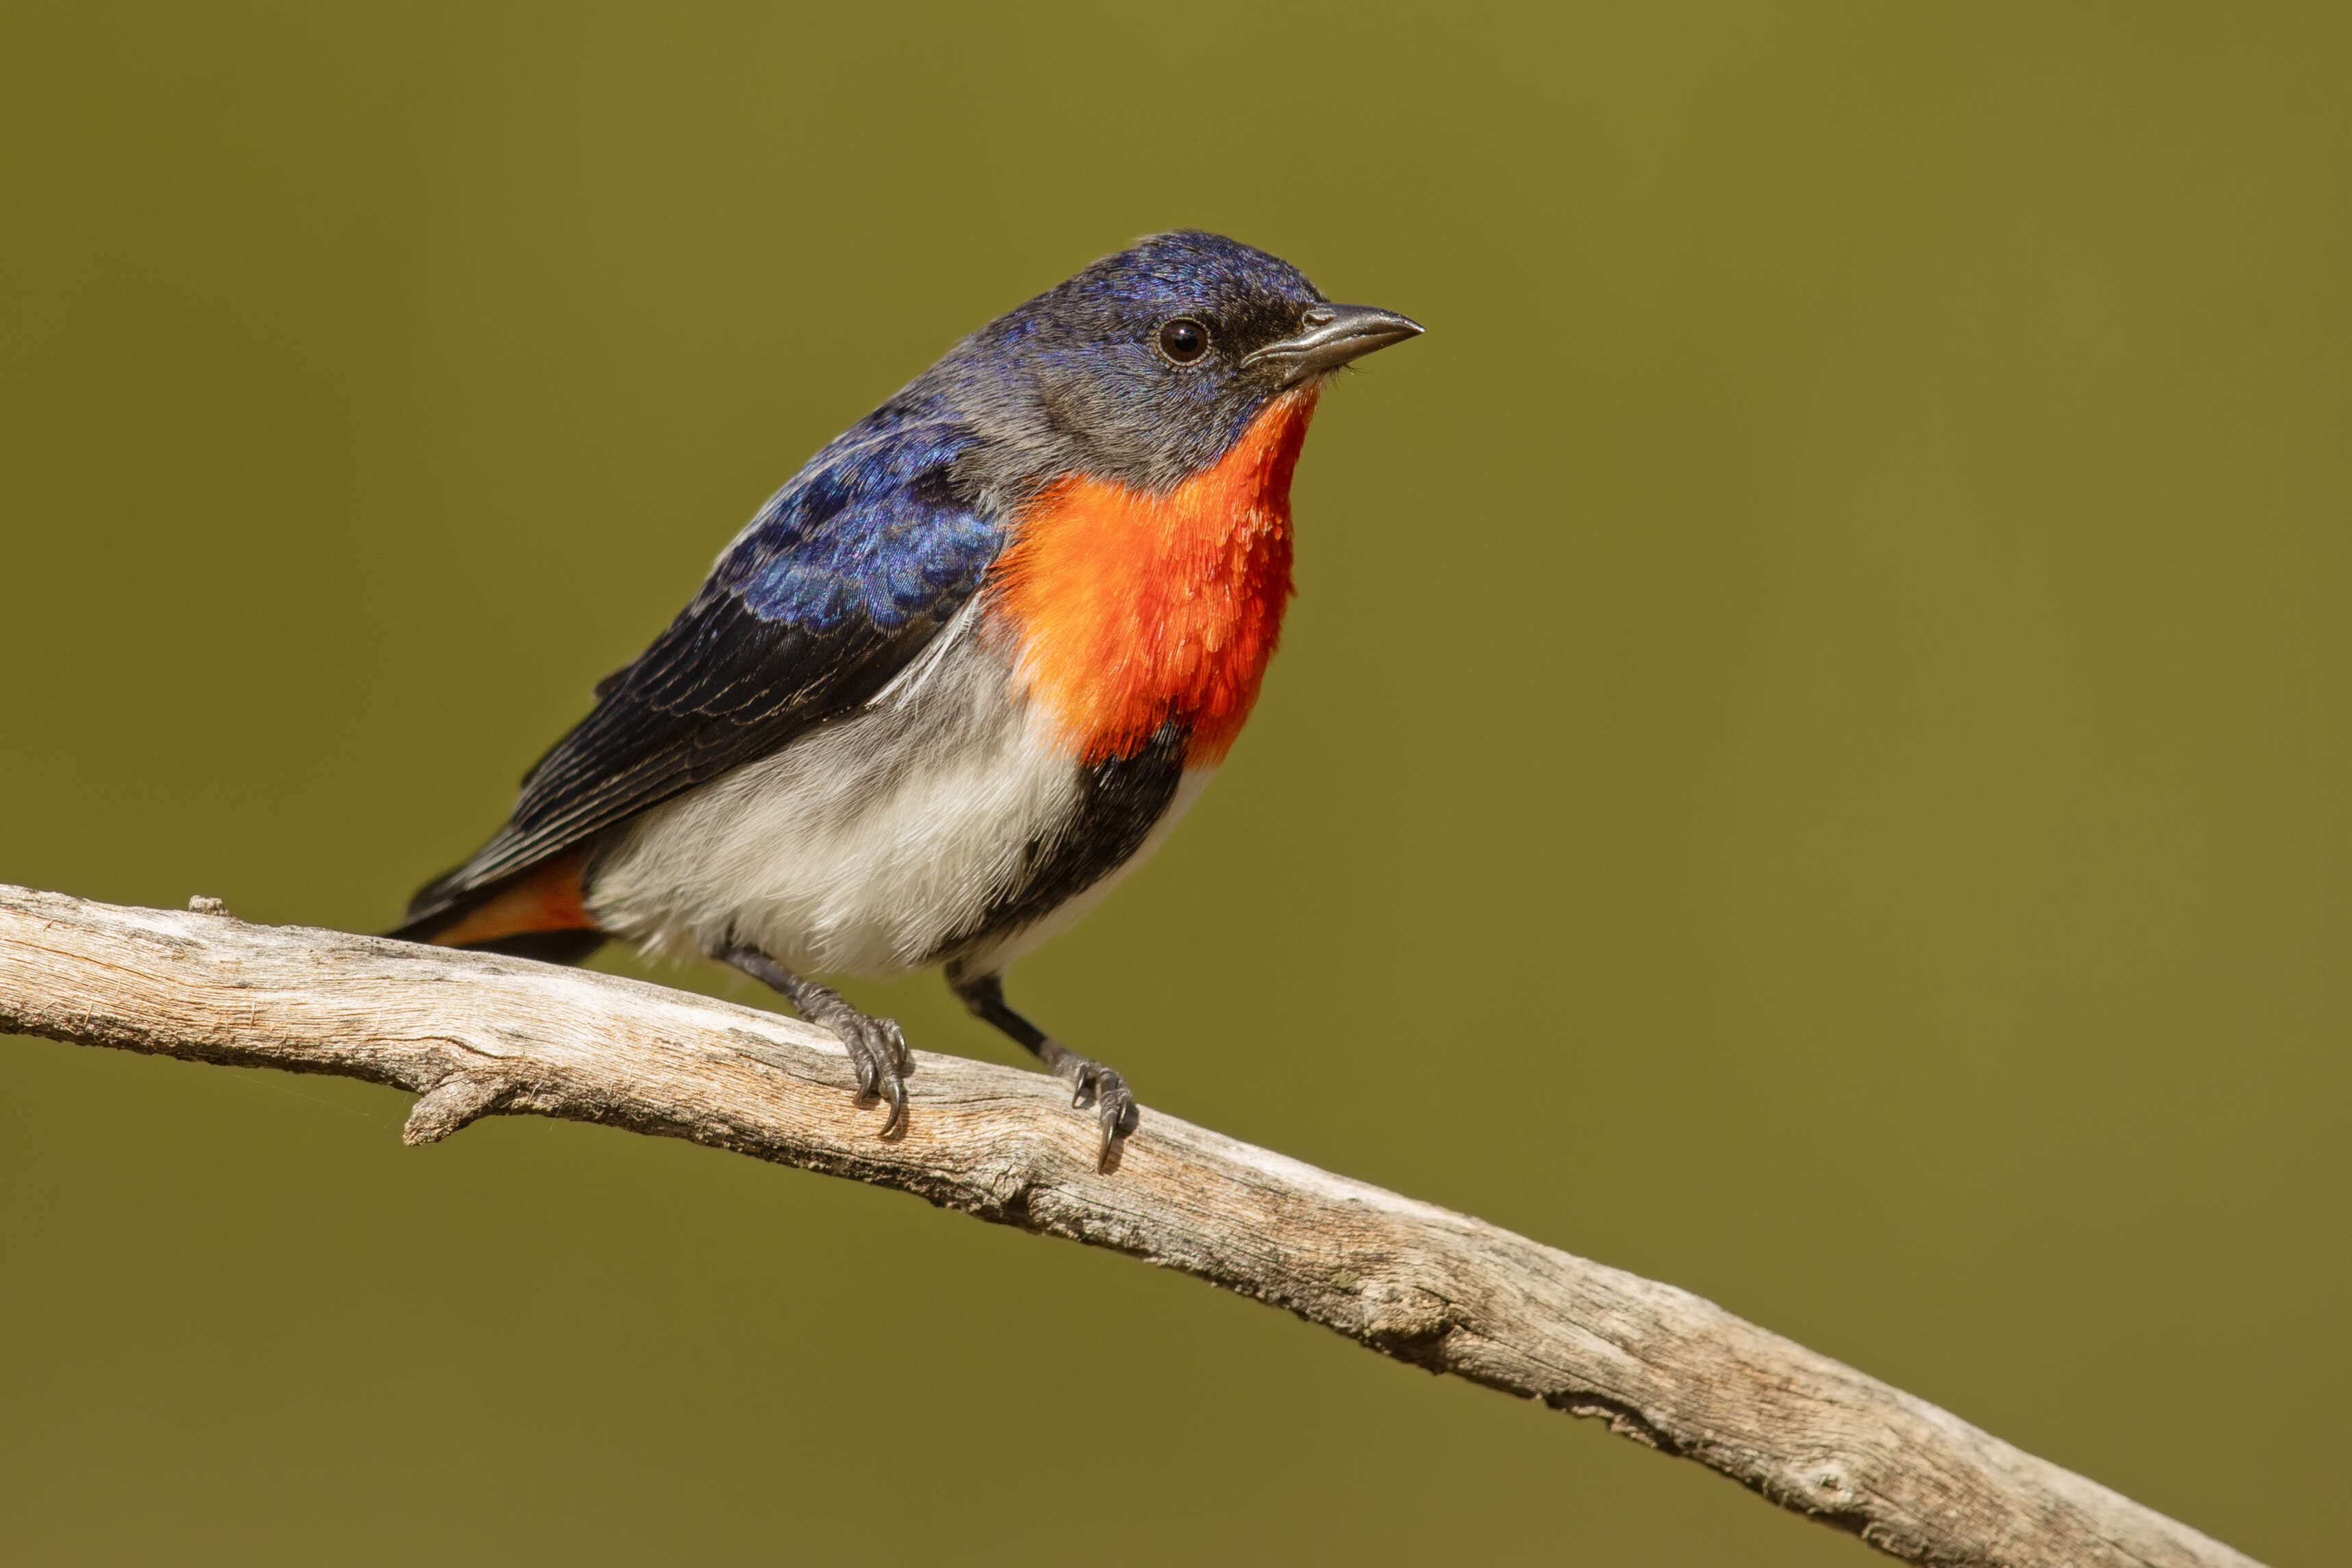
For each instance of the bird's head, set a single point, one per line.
(1146, 368)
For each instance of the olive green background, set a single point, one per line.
(1809, 761)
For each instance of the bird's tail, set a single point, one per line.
(538, 912)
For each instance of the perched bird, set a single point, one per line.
(960, 675)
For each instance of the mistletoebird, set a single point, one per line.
(960, 675)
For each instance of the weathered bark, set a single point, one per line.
(475, 1035)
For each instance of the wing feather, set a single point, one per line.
(834, 586)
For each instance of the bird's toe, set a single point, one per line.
(1114, 1104)
(888, 1062)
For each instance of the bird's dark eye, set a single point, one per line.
(1184, 340)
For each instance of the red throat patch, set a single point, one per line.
(1131, 609)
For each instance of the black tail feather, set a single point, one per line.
(547, 946)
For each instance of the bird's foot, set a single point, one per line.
(877, 1047)
(1093, 1084)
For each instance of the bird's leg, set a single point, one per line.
(1091, 1083)
(877, 1047)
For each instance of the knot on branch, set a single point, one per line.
(1004, 1187)
(455, 1100)
(1822, 1486)
(1405, 1320)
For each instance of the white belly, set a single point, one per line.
(865, 844)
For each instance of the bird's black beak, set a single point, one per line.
(1330, 336)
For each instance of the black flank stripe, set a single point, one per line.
(1121, 800)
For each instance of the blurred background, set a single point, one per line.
(1809, 761)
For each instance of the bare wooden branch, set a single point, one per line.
(475, 1035)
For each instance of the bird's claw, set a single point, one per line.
(1096, 1085)
(878, 1048)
